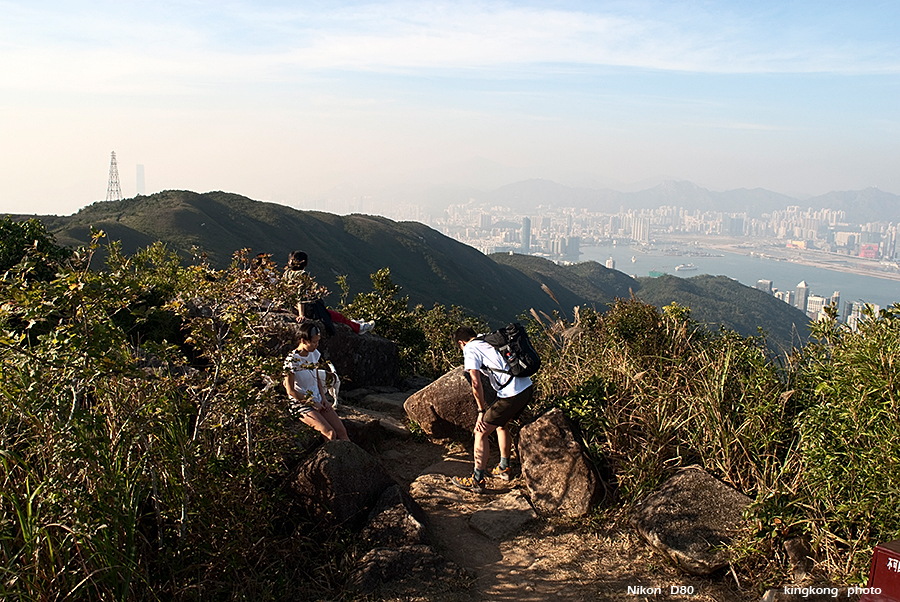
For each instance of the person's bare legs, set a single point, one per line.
(483, 446)
(504, 439)
(318, 422)
(334, 420)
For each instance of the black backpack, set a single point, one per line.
(513, 344)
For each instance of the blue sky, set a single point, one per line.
(292, 101)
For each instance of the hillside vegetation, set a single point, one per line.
(430, 267)
(142, 445)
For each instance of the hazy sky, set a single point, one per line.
(289, 100)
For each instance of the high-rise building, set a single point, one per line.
(786, 296)
(814, 305)
(642, 229)
(139, 180)
(611, 263)
(835, 300)
(484, 221)
(764, 285)
(526, 235)
(802, 293)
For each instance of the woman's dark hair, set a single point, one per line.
(297, 260)
(308, 330)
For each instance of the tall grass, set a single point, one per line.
(140, 452)
(813, 438)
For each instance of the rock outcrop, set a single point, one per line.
(418, 565)
(340, 483)
(446, 408)
(361, 360)
(504, 516)
(401, 557)
(395, 521)
(691, 518)
(558, 476)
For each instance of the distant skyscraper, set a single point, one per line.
(814, 305)
(140, 179)
(802, 294)
(642, 229)
(764, 285)
(786, 296)
(611, 263)
(835, 301)
(526, 235)
(113, 190)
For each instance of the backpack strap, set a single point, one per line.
(494, 370)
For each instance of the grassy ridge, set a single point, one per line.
(431, 268)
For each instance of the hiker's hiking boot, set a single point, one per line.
(469, 484)
(503, 474)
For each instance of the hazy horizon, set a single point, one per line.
(292, 104)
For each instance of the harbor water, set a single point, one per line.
(785, 275)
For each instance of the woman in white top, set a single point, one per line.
(306, 394)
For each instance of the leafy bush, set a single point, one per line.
(28, 246)
(140, 450)
(423, 336)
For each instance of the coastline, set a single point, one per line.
(806, 257)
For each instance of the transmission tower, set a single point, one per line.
(113, 191)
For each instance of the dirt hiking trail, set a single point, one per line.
(555, 559)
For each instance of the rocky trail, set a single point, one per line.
(540, 559)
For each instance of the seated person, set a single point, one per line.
(297, 262)
(306, 395)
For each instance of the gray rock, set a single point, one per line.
(798, 552)
(418, 564)
(385, 424)
(446, 407)
(691, 519)
(361, 360)
(504, 516)
(340, 482)
(383, 401)
(395, 521)
(559, 478)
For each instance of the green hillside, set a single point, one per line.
(717, 300)
(430, 267)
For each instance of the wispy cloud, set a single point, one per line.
(86, 46)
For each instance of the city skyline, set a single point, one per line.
(303, 104)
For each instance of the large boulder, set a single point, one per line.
(340, 482)
(559, 478)
(446, 407)
(417, 567)
(361, 360)
(691, 519)
(395, 521)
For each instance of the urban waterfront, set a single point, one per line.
(785, 275)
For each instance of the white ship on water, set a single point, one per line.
(685, 267)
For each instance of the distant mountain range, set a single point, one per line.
(862, 206)
(430, 267)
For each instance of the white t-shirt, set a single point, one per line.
(477, 354)
(305, 373)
